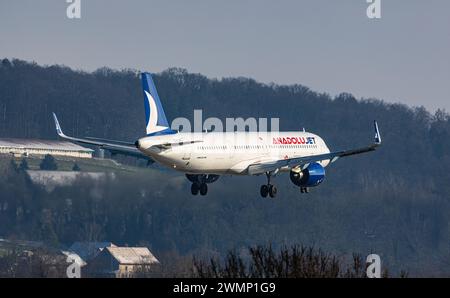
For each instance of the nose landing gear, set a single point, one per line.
(268, 189)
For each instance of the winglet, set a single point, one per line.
(58, 127)
(377, 133)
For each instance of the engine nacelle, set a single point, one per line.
(312, 176)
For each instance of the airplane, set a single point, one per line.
(204, 156)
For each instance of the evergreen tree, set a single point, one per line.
(13, 165)
(48, 163)
(23, 165)
(76, 168)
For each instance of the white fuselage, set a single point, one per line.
(229, 152)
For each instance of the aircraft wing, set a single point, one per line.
(114, 147)
(261, 168)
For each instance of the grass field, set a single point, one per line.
(66, 164)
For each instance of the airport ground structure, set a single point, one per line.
(36, 147)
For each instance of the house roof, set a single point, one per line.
(89, 250)
(132, 255)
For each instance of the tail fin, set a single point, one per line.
(155, 118)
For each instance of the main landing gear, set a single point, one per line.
(268, 189)
(199, 183)
(304, 189)
(201, 188)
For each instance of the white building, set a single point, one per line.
(122, 262)
(27, 147)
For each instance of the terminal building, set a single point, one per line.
(35, 147)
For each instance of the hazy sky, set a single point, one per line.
(330, 46)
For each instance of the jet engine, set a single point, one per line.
(312, 176)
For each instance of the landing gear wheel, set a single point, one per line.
(194, 189)
(272, 191)
(203, 189)
(268, 189)
(304, 189)
(264, 191)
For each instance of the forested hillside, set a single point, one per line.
(394, 202)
